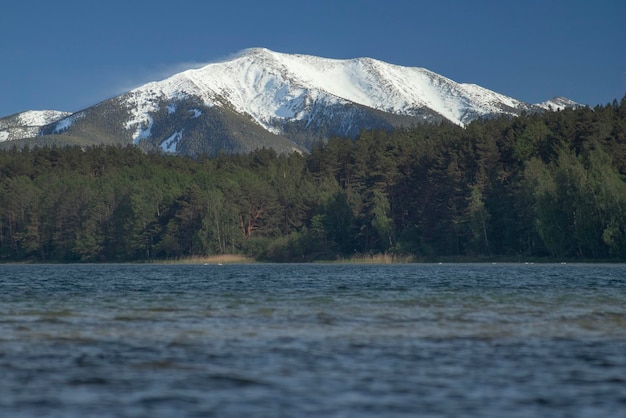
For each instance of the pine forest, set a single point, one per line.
(543, 186)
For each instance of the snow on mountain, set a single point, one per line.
(271, 87)
(41, 117)
(66, 122)
(28, 124)
(558, 103)
(260, 98)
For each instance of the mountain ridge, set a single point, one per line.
(28, 123)
(283, 101)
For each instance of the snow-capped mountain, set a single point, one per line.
(270, 86)
(28, 124)
(558, 103)
(284, 101)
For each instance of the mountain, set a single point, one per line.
(260, 98)
(28, 124)
(558, 103)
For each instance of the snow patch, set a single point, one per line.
(169, 145)
(63, 125)
(144, 130)
(66, 123)
(4, 136)
(40, 117)
(141, 104)
(196, 113)
(171, 108)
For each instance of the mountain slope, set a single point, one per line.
(283, 101)
(272, 87)
(27, 124)
(558, 103)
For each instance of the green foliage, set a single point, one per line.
(537, 185)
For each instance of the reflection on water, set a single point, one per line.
(313, 340)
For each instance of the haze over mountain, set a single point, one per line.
(260, 98)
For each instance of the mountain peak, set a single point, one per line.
(558, 103)
(292, 99)
(255, 51)
(267, 85)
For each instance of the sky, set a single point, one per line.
(71, 54)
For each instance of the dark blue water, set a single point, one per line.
(313, 341)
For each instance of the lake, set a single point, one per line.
(313, 340)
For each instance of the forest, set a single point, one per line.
(542, 186)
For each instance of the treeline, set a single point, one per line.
(540, 185)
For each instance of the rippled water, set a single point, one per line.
(313, 341)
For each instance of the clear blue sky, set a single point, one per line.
(70, 54)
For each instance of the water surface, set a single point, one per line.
(505, 340)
